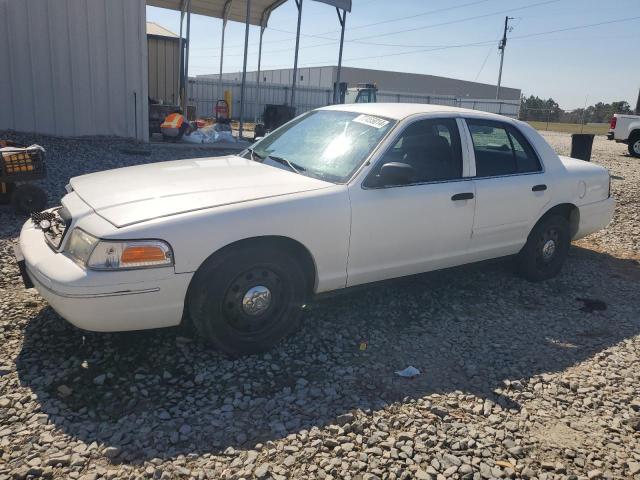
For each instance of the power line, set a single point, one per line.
(408, 17)
(424, 27)
(466, 19)
(428, 48)
(576, 27)
(484, 62)
(357, 27)
(357, 40)
(488, 42)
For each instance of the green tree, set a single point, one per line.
(538, 109)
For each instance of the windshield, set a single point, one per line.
(325, 144)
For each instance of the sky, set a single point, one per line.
(457, 39)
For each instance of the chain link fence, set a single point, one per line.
(565, 121)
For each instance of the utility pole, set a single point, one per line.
(295, 60)
(501, 46)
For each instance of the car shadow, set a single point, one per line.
(477, 330)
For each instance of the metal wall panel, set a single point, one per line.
(203, 93)
(509, 108)
(411, 83)
(425, 84)
(164, 57)
(74, 67)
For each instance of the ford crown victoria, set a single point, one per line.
(340, 196)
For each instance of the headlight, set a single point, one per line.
(80, 245)
(99, 254)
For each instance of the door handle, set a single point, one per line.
(462, 196)
(539, 188)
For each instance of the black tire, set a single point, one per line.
(546, 249)
(27, 198)
(5, 196)
(634, 145)
(215, 299)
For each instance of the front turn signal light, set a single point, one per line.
(135, 255)
(130, 254)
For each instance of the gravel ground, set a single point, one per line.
(518, 380)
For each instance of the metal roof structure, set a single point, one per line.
(159, 31)
(259, 14)
(249, 12)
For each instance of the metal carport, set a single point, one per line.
(249, 12)
(86, 72)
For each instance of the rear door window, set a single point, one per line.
(500, 149)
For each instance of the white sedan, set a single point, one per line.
(339, 196)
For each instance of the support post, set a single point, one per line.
(336, 88)
(224, 27)
(295, 60)
(262, 27)
(244, 66)
(185, 100)
(181, 58)
(225, 17)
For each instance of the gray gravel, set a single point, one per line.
(518, 380)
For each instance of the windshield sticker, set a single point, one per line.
(371, 121)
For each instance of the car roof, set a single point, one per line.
(398, 111)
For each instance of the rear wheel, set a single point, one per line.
(27, 198)
(246, 300)
(634, 146)
(546, 249)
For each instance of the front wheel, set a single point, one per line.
(634, 146)
(246, 300)
(546, 249)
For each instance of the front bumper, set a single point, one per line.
(102, 301)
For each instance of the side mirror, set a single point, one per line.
(396, 173)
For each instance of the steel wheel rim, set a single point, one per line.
(255, 300)
(636, 147)
(547, 247)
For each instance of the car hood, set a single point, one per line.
(125, 196)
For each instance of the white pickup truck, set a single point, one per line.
(626, 129)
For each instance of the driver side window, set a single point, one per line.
(431, 148)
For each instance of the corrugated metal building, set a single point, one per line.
(74, 67)
(396, 82)
(164, 60)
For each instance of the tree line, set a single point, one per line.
(538, 109)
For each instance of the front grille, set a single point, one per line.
(54, 224)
